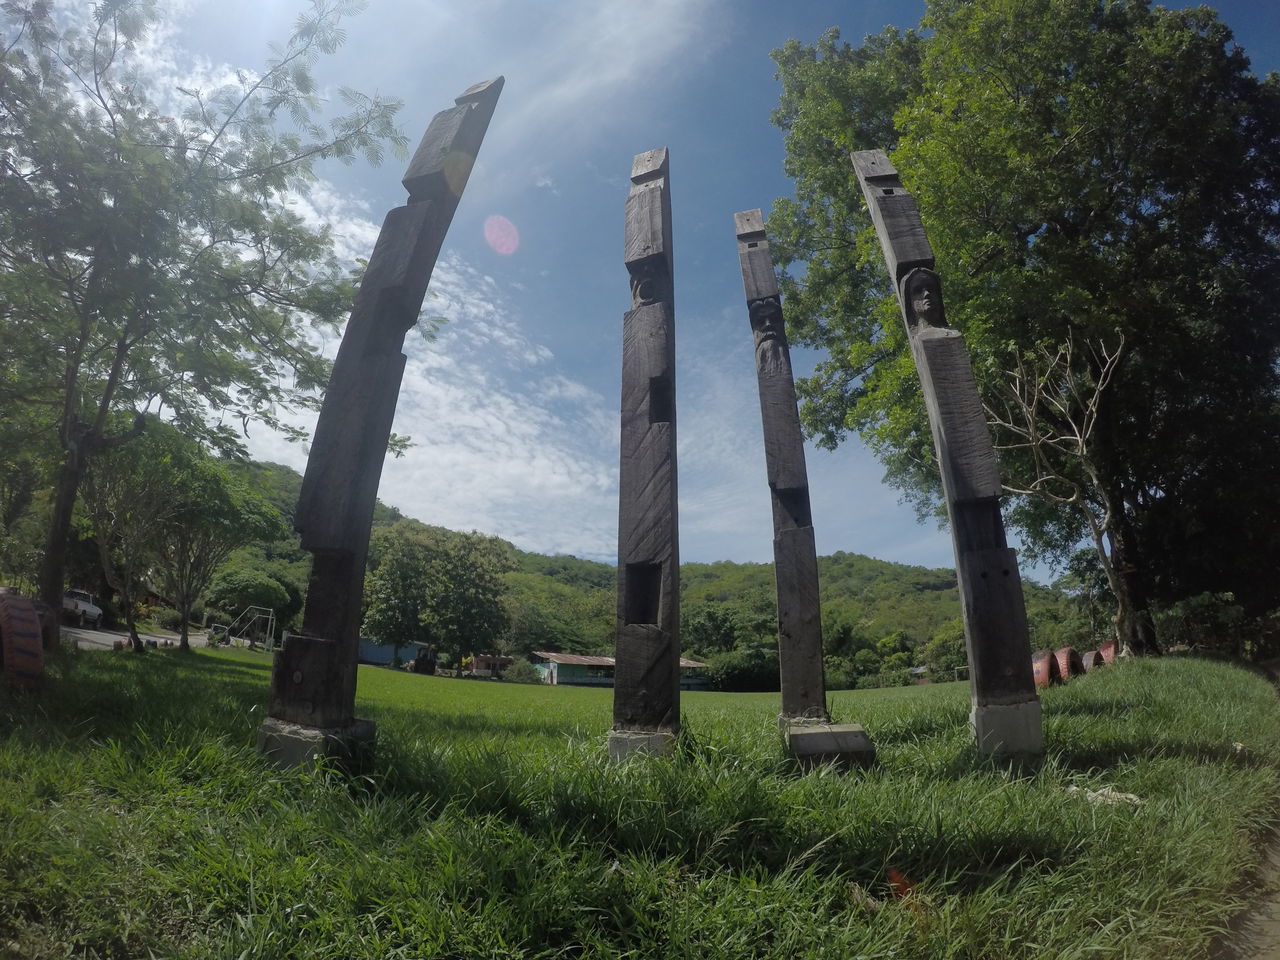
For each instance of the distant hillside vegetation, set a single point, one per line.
(879, 618)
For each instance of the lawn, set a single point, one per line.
(136, 820)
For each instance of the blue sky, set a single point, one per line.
(513, 409)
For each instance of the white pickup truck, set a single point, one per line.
(79, 606)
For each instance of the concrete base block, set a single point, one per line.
(844, 744)
(623, 743)
(1008, 729)
(293, 744)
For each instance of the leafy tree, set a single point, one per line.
(1101, 186)
(750, 669)
(398, 594)
(866, 662)
(709, 627)
(217, 513)
(466, 610)
(427, 584)
(148, 259)
(237, 586)
(945, 650)
(131, 493)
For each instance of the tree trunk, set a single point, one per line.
(52, 568)
(135, 641)
(184, 608)
(1135, 629)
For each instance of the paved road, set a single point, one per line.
(87, 638)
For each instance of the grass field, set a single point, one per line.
(136, 820)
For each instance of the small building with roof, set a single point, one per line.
(586, 670)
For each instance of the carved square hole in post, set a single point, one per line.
(662, 400)
(753, 244)
(795, 500)
(888, 191)
(644, 592)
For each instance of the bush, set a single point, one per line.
(522, 671)
(840, 674)
(167, 618)
(889, 678)
(754, 670)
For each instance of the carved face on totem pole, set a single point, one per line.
(766, 322)
(922, 295)
(650, 282)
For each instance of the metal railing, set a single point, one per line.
(255, 625)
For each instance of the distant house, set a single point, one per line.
(582, 670)
(373, 652)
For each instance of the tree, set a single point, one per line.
(237, 586)
(130, 493)
(428, 584)
(1100, 183)
(466, 610)
(217, 512)
(148, 259)
(945, 650)
(397, 593)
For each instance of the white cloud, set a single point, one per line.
(504, 442)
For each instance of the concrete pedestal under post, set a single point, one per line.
(293, 744)
(623, 743)
(846, 745)
(1008, 729)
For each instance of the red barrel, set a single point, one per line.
(1108, 651)
(1093, 660)
(1069, 662)
(1044, 667)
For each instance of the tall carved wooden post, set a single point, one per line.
(1005, 709)
(646, 696)
(811, 737)
(312, 706)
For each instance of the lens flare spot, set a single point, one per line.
(501, 234)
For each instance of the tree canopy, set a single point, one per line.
(149, 261)
(1100, 181)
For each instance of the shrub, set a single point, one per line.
(754, 670)
(167, 618)
(840, 674)
(522, 671)
(889, 678)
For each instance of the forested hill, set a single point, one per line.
(864, 600)
(879, 618)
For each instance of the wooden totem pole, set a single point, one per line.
(811, 737)
(646, 696)
(312, 706)
(1005, 709)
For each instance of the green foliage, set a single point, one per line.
(235, 587)
(547, 613)
(945, 651)
(1109, 248)
(744, 671)
(148, 255)
(397, 593)
(167, 618)
(435, 586)
(522, 671)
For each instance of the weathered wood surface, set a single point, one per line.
(990, 588)
(794, 554)
(314, 682)
(647, 674)
(894, 213)
(965, 453)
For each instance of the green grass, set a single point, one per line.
(136, 820)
